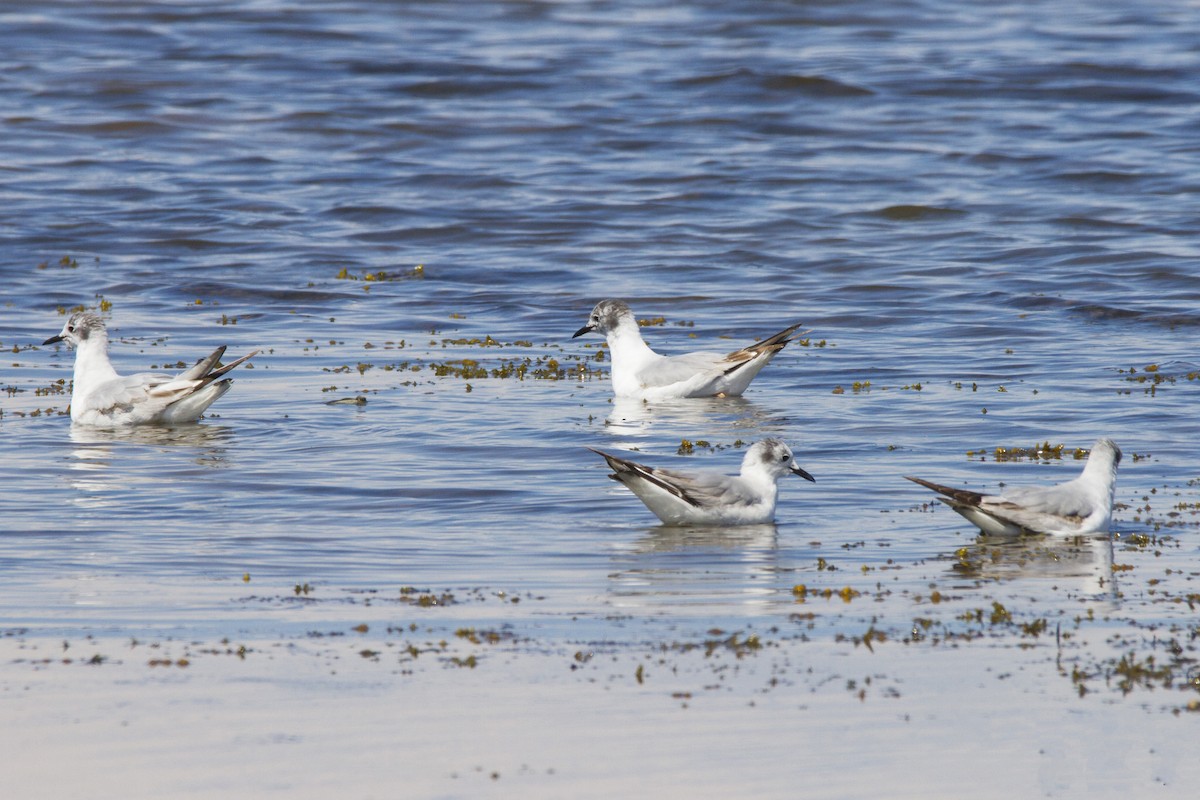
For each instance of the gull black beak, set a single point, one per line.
(583, 330)
(796, 468)
(53, 339)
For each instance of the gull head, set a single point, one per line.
(1105, 454)
(774, 458)
(82, 326)
(608, 315)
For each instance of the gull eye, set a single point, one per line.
(784, 457)
(70, 328)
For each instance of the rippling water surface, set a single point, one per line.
(985, 214)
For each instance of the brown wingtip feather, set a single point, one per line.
(776, 342)
(772, 344)
(202, 367)
(960, 495)
(615, 462)
(601, 453)
(624, 471)
(781, 339)
(225, 368)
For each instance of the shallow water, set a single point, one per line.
(981, 213)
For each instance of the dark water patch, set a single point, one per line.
(808, 85)
(468, 87)
(135, 89)
(418, 234)
(1123, 94)
(1097, 223)
(1100, 177)
(1105, 313)
(816, 86)
(120, 128)
(1174, 320)
(365, 213)
(989, 159)
(1106, 258)
(249, 294)
(192, 243)
(918, 213)
(1123, 71)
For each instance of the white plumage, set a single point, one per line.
(1077, 507)
(637, 371)
(102, 398)
(709, 497)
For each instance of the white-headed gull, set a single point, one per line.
(1077, 507)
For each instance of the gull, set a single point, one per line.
(1077, 507)
(709, 497)
(637, 371)
(102, 398)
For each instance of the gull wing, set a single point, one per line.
(188, 397)
(769, 346)
(630, 472)
(1038, 510)
(1036, 521)
(970, 505)
(959, 496)
(705, 374)
(1065, 500)
(208, 369)
(224, 368)
(127, 391)
(203, 366)
(1053, 508)
(156, 397)
(697, 368)
(131, 399)
(698, 489)
(709, 489)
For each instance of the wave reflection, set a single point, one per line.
(105, 465)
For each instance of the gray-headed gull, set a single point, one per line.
(102, 398)
(708, 497)
(637, 371)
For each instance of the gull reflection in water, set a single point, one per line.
(106, 463)
(729, 567)
(1084, 562)
(670, 538)
(634, 418)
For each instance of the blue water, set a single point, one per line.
(985, 211)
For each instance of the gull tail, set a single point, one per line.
(202, 366)
(206, 370)
(189, 407)
(958, 495)
(778, 341)
(190, 393)
(628, 472)
(223, 369)
(768, 347)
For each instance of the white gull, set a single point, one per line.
(1078, 507)
(102, 398)
(637, 371)
(708, 497)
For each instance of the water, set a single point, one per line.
(981, 211)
